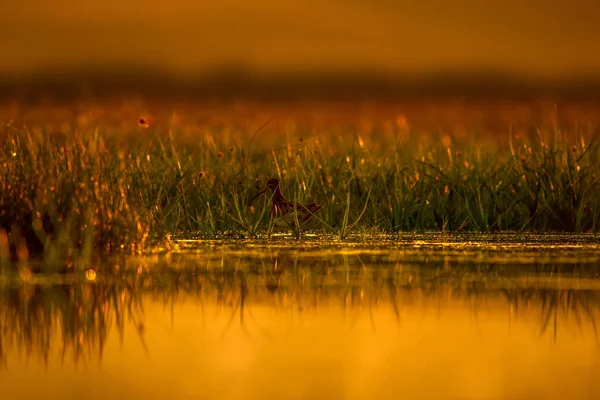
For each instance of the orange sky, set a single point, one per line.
(542, 38)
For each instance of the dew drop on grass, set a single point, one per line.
(90, 275)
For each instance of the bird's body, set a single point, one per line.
(284, 212)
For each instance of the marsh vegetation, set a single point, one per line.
(127, 242)
(94, 179)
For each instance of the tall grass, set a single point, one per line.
(97, 189)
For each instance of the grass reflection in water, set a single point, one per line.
(75, 316)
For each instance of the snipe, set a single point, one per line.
(282, 210)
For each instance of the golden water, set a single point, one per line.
(290, 323)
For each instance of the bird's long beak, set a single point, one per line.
(256, 195)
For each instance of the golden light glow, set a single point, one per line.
(470, 349)
(90, 275)
(540, 38)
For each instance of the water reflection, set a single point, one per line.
(82, 314)
(301, 303)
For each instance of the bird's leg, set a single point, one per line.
(270, 228)
(296, 223)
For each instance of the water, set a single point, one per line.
(430, 316)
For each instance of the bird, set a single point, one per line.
(282, 210)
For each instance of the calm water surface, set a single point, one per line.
(431, 316)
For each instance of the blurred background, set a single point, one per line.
(284, 47)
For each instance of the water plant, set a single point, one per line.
(97, 187)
